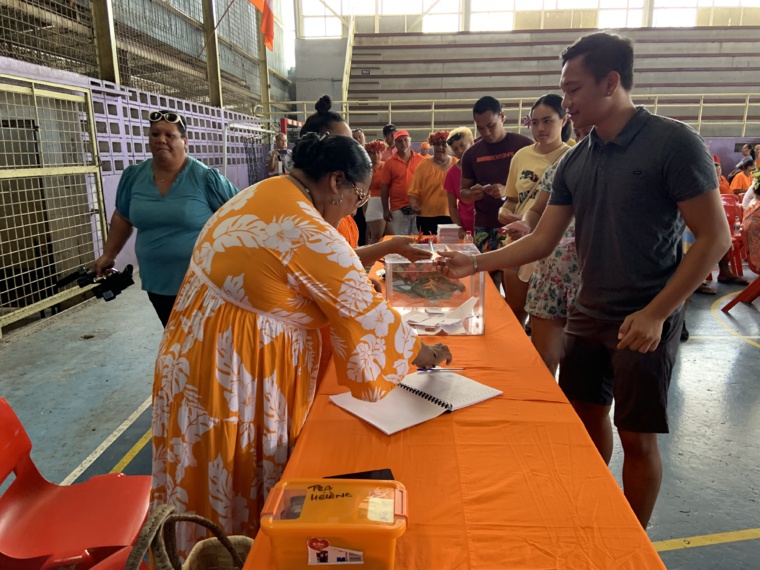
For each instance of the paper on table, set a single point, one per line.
(433, 318)
(397, 411)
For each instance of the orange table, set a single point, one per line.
(513, 482)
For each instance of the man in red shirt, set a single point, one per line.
(396, 177)
(485, 168)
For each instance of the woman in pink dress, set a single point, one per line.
(460, 139)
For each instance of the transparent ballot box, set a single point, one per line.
(431, 302)
(334, 523)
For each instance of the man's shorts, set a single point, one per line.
(487, 239)
(595, 371)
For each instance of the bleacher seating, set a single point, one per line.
(464, 66)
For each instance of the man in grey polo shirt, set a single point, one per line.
(631, 184)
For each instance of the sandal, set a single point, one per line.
(705, 289)
(734, 279)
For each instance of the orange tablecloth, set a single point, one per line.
(513, 482)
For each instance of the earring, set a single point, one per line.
(336, 202)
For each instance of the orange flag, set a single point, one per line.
(267, 22)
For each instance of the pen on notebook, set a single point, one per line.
(437, 369)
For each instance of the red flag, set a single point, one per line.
(267, 22)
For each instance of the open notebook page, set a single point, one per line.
(399, 410)
(454, 389)
(402, 409)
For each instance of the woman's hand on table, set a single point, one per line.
(433, 355)
(404, 246)
(456, 265)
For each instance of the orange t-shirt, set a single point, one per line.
(348, 229)
(742, 182)
(725, 187)
(374, 186)
(427, 187)
(398, 174)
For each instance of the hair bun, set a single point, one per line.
(323, 105)
(308, 148)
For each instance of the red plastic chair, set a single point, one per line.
(118, 561)
(45, 526)
(733, 211)
(749, 293)
(730, 199)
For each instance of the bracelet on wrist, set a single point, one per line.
(474, 264)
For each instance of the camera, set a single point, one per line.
(107, 286)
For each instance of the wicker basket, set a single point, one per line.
(211, 554)
(158, 535)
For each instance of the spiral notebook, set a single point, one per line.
(419, 397)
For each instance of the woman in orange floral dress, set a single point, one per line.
(237, 368)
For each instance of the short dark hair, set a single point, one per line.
(602, 53)
(389, 128)
(486, 103)
(320, 121)
(320, 155)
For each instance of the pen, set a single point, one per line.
(437, 369)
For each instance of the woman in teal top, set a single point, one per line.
(168, 198)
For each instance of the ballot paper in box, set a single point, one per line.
(431, 302)
(448, 233)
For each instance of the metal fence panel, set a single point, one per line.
(160, 44)
(51, 206)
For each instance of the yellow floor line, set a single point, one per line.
(707, 539)
(71, 477)
(126, 460)
(716, 313)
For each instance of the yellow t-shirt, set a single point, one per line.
(526, 170)
(427, 187)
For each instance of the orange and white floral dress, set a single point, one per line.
(237, 368)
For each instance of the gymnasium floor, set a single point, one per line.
(81, 384)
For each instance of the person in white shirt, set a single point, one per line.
(280, 158)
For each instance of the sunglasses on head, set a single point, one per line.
(454, 138)
(169, 117)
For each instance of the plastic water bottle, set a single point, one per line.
(468, 237)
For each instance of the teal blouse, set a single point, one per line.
(167, 226)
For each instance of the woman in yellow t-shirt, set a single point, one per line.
(427, 196)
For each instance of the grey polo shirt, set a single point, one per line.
(625, 196)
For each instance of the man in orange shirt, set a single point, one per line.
(395, 180)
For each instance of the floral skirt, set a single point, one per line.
(554, 284)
